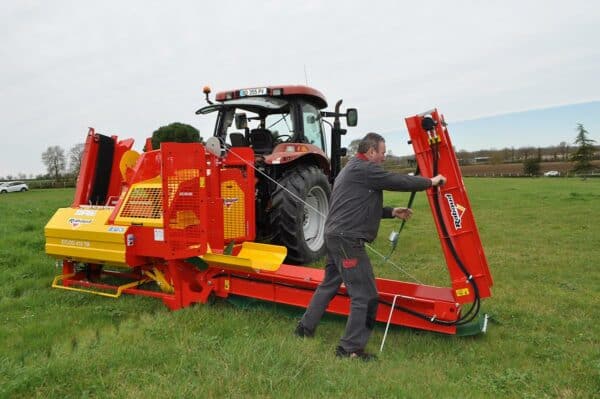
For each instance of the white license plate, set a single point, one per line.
(260, 91)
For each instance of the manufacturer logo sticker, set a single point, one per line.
(229, 201)
(76, 222)
(456, 211)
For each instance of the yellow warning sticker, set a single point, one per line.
(226, 285)
(462, 292)
(202, 182)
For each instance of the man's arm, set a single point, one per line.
(400, 213)
(379, 179)
(387, 212)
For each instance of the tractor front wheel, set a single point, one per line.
(298, 220)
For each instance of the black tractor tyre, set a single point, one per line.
(300, 225)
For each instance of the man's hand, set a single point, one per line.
(438, 180)
(402, 213)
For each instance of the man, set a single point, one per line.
(355, 212)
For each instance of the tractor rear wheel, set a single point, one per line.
(300, 225)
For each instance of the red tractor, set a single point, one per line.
(284, 127)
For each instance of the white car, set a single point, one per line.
(552, 173)
(12, 186)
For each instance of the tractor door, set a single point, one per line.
(312, 126)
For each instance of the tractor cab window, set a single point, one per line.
(256, 123)
(313, 132)
(228, 131)
(280, 126)
(252, 114)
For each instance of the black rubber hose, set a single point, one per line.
(436, 199)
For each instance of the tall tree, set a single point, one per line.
(531, 166)
(175, 132)
(75, 157)
(54, 159)
(582, 157)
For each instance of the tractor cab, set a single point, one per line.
(263, 118)
(284, 127)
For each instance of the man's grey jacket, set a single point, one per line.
(356, 204)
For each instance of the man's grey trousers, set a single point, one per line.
(347, 262)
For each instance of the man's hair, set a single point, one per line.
(371, 140)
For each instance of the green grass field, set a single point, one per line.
(542, 240)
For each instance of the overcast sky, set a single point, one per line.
(129, 67)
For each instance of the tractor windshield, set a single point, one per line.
(253, 116)
(279, 124)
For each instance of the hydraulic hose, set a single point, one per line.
(466, 318)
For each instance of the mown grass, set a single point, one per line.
(541, 238)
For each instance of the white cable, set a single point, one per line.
(387, 326)
(393, 264)
(277, 183)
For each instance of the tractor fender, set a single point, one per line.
(288, 153)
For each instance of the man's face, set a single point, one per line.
(377, 156)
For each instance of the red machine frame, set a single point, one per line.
(418, 306)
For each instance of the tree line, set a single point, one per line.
(60, 164)
(66, 165)
(580, 152)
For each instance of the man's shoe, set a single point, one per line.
(303, 332)
(358, 354)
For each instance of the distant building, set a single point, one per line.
(480, 160)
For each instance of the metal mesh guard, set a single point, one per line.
(143, 203)
(234, 210)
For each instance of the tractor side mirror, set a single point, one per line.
(241, 121)
(351, 117)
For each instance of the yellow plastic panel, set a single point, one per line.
(253, 256)
(82, 234)
(128, 161)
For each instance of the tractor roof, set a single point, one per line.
(313, 95)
